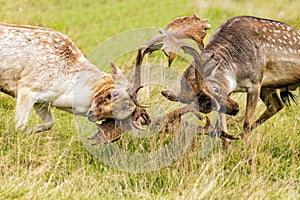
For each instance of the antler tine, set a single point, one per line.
(134, 97)
(137, 79)
(171, 46)
(137, 72)
(152, 45)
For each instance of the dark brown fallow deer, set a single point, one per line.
(245, 54)
(185, 28)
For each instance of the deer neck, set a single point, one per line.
(78, 96)
(222, 74)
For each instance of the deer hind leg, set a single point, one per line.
(43, 110)
(23, 107)
(273, 102)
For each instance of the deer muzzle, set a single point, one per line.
(230, 107)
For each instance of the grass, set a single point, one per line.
(56, 164)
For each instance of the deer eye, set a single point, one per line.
(216, 90)
(114, 94)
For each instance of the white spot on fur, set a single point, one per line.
(277, 31)
(264, 29)
(82, 58)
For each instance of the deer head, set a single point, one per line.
(208, 92)
(194, 85)
(184, 27)
(116, 98)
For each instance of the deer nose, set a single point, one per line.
(232, 108)
(235, 109)
(91, 116)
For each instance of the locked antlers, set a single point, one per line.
(184, 27)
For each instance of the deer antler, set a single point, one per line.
(184, 27)
(171, 46)
(137, 79)
(189, 27)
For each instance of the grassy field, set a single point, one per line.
(56, 165)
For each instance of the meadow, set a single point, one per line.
(57, 165)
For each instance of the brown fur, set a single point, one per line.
(102, 99)
(252, 55)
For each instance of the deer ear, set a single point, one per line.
(206, 68)
(117, 75)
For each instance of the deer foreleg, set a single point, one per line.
(23, 107)
(252, 99)
(43, 110)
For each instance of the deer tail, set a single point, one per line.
(287, 97)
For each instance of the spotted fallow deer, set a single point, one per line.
(43, 68)
(245, 54)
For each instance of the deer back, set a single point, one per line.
(253, 49)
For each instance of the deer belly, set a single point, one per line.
(280, 74)
(8, 80)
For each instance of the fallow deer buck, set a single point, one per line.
(43, 68)
(188, 27)
(245, 54)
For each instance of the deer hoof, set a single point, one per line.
(226, 143)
